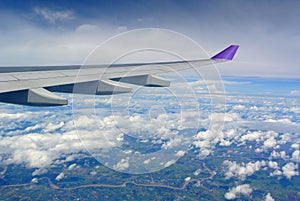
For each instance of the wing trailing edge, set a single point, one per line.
(144, 80)
(33, 97)
(102, 87)
(34, 85)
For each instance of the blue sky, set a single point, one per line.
(64, 32)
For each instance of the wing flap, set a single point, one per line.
(102, 87)
(144, 80)
(108, 87)
(33, 97)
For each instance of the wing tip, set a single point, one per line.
(226, 54)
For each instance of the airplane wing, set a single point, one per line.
(35, 85)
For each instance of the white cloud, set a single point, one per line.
(225, 143)
(34, 180)
(255, 108)
(235, 192)
(34, 127)
(227, 117)
(242, 170)
(206, 140)
(83, 122)
(269, 197)
(295, 146)
(60, 176)
(285, 120)
(53, 127)
(34, 45)
(87, 28)
(270, 143)
(275, 154)
(72, 166)
(204, 153)
(169, 163)
(174, 142)
(284, 138)
(251, 136)
(93, 173)
(39, 172)
(296, 156)
(14, 115)
(197, 172)
(290, 169)
(180, 153)
(276, 173)
(263, 35)
(273, 164)
(53, 16)
(123, 164)
(43, 150)
(239, 107)
(283, 155)
(295, 93)
(147, 161)
(269, 138)
(60, 141)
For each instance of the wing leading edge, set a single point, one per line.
(35, 85)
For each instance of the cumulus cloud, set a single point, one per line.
(73, 166)
(244, 189)
(180, 153)
(295, 146)
(51, 141)
(34, 150)
(270, 143)
(269, 197)
(296, 156)
(273, 164)
(225, 143)
(281, 154)
(216, 134)
(254, 136)
(241, 171)
(123, 164)
(47, 143)
(60, 176)
(267, 137)
(46, 148)
(276, 173)
(275, 154)
(289, 170)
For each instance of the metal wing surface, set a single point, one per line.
(34, 85)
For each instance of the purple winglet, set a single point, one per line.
(227, 54)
